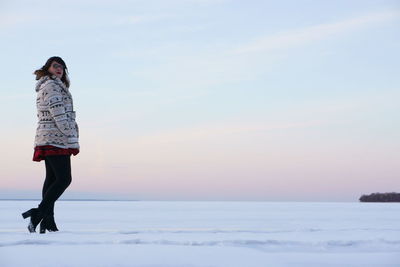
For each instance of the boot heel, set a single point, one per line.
(36, 216)
(27, 214)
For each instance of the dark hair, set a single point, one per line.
(43, 71)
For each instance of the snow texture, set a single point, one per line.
(204, 233)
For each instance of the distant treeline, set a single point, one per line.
(381, 197)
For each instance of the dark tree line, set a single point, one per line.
(381, 197)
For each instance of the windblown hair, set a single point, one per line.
(43, 71)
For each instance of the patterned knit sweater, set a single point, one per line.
(56, 125)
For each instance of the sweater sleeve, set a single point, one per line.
(77, 129)
(54, 99)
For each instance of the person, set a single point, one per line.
(57, 138)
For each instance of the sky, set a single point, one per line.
(209, 100)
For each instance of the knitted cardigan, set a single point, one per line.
(56, 115)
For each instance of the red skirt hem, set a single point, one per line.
(40, 152)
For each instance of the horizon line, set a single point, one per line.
(99, 199)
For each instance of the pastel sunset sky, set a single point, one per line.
(210, 99)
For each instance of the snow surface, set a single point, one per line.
(204, 233)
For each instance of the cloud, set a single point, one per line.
(314, 33)
(12, 20)
(139, 19)
(317, 114)
(218, 130)
(179, 67)
(18, 96)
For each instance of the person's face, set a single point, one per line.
(56, 69)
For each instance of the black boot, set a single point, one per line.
(52, 224)
(43, 226)
(36, 216)
(48, 224)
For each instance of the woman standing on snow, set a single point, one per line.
(56, 139)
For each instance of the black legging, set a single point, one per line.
(58, 178)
